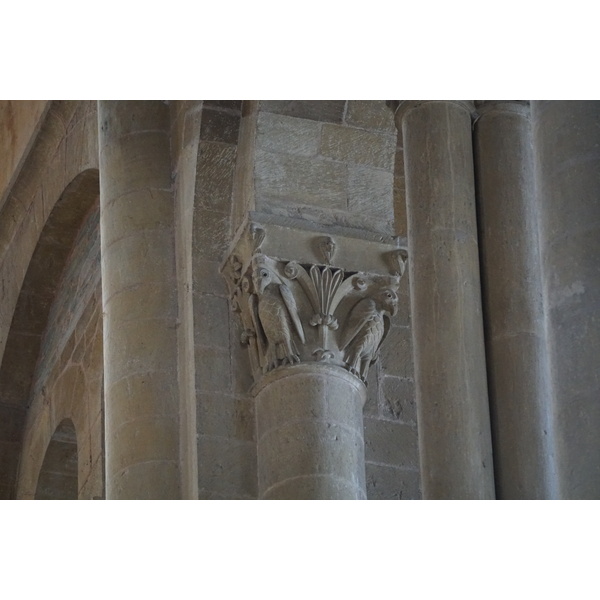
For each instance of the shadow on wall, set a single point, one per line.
(36, 297)
(58, 476)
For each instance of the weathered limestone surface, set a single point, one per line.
(35, 241)
(58, 476)
(310, 434)
(67, 383)
(329, 111)
(306, 166)
(567, 168)
(139, 290)
(66, 147)
(323, 161)
(71, 388)
(176, 364)
(224, 417)
(185, 125)
(313, 327)
(19, 123)
(519, 383)
(447, 325)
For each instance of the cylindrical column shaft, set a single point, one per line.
(310, 441)
(518, 374)
(447, 325)
(567, 168)
(139, 301)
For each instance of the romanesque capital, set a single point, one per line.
(317, 306)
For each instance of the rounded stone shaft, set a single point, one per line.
(450, 373)
(518, 376)
(567, 170)
(310, 441)
(139, 301)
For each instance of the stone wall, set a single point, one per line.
(68, 378)
(62, 158)
(225, 421)
(330, 162)
(19, 123)
(204, 157)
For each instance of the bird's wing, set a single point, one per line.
(363, 311)
(290, 303)
(260, 332)
(387, 323)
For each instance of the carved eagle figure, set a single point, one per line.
(275, 314)
(366, 328)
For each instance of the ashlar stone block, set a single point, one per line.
(358, 146)
(287, 135)
(370, 194)
(370, 114)
(287, 180)
(219, 125)
(391, 483)
(226, 416)
(390, 443)
(211, 234)
(399, 399)
(214, 176)
(227, 467)
(211, 319)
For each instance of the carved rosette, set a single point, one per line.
(294, 312)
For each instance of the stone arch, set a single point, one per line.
(58, 475)
(60, 404)
(41, 283)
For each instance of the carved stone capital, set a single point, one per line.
(317, 307)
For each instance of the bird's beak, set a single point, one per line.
(259, 283)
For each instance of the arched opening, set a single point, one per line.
(30, 319)
(58, 476)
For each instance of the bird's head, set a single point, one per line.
(261, 278)
(388, 300)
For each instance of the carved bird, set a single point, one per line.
(276, 316)
(366, 328)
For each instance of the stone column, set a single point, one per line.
(313, 327)
(514, 315)
(310, 434)
(139, 295)
(450, 373)
(567, 170)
